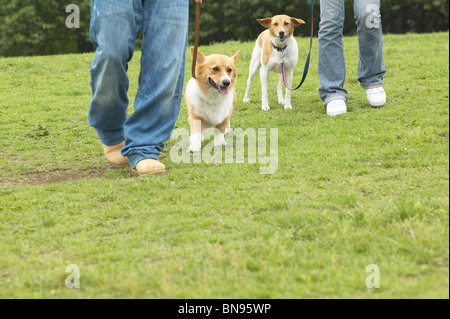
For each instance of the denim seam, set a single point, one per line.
(371, 85)
(110, 137)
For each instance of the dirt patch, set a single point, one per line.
(58, 177)
(53, 177)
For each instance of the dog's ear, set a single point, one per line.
(236, 56)
(265, 22)
(296, 22)
(200, 56)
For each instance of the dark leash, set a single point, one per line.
(305, 70)
(197, 36)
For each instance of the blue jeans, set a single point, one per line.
(371, 67)
(115, 26)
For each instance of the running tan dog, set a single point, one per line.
(271, 44)
(210, 97)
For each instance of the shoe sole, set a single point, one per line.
(377, 104)
(336, 113)
(135, 173)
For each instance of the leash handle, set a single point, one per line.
(306, 69)
(197, 36)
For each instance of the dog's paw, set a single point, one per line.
(287, 106)
(246, 100)
(219, 144)
(220, 141)
(265, 107)
(194, 148)
(281, 101)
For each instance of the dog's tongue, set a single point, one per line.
(223, 90)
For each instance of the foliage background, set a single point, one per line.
(37, 27)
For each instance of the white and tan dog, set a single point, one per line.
(210, 97)
(278, 39)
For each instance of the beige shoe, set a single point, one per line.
(114, 157)
(149, 166)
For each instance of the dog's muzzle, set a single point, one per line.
(222, 89)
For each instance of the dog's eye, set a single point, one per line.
(216, 69)
(229, 70)
(286, 23)
(276, 24)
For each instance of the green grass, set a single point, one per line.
(367, 187)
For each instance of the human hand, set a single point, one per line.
(198, 1)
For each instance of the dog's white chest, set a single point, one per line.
(274, 63)
(290, 57)
(213, 107)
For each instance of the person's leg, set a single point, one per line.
(331, 51)
(371, 68)
(158, 99)
(114, 28)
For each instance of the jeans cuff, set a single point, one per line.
(367, 86)
(335, 97)
(133, 159)
(110, 138)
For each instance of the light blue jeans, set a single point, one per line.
(371, 68)
(115, 25)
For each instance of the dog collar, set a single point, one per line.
(278, 48)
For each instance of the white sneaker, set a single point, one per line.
(376, 96)
(336, 107)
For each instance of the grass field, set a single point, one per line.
(367, 187)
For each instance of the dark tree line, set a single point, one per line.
(37, 27)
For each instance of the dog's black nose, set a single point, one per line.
(281, 33)
(226, 83)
